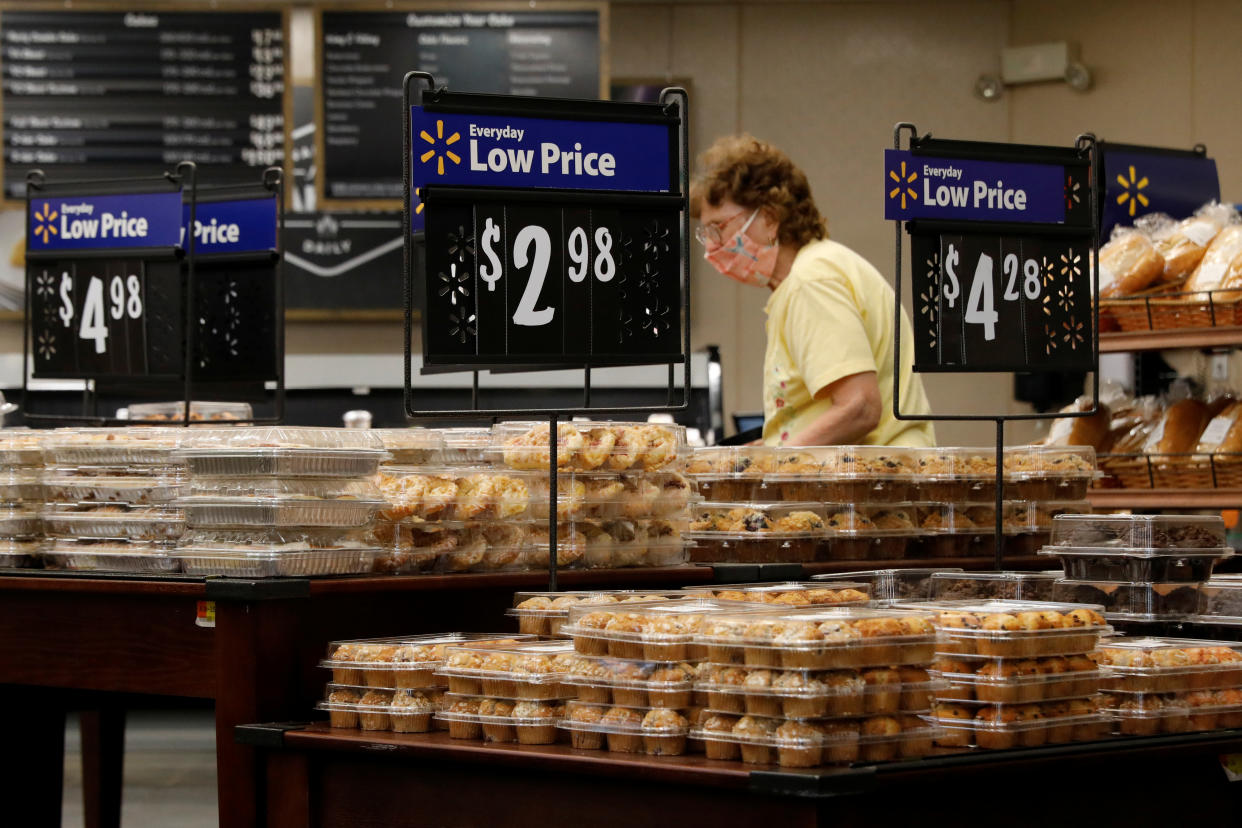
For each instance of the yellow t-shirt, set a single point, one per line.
(830, 318)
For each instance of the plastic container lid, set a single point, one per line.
(525, 713)
(277, 512)
(871, 462)
(620, 719)
(557, 604)
(255, 563)
(466, 446)
(950, 586)
(406, 652)
(288, 488)
(1133, 601)
(264, 539)
(1028, 462)
(1012, 620)
(819, 630)
(412, 446)
(141, 523)
(453, 493)
(616, 446)
(603, 671)
(789, 593)
(959, 463)
(110, 556)
(913, 584)
(535, 662)
(200, 411)
(1218, 553)
(1222, 598)
(999, 717)
(745, 461)
(1139, 532)
(738, 520)
(1156, 655)
(1143, 705)
(21, 447)
(281, 437)
(127, 446)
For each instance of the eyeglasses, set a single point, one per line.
(713, 234)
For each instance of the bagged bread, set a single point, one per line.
(1131, 425)
(1223, 434)
(1091, 430)
(1179, 430)
(1221, 266)
(1129, 263)
(1185, 245)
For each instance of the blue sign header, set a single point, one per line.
(1136, 183)
(105, 222)
(504, 151)
(919, 186)
(242, 226)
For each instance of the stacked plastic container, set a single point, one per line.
(1139, 567)
(21, 498)
(111, 499)
(808, 687)
(888, 586)
(1171, 685)
(391, 683)
(281, 501)
(200, 412)
(545, 613)
(790, 594)
(974, 586)
(1019, 673)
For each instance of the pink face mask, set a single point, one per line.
(743, 259)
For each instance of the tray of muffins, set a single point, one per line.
(411, 446)
(797, 743)
(1016, 629)
(789, 593)
(1137, 713)
(544, 613)
(382, 708)
(666, 631)
(817, 694)
(957, 585)
(1002, 726)
(281, 451)
(113, 447)
(655, 731)
(889, 585)
(590, 446)
(1169, 665)
(1016, 681)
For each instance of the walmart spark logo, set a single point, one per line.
(432, 153)
(44, 222)
(1130, 191)
(903, 182)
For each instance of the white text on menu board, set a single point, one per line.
(551, 156)
(979, 194)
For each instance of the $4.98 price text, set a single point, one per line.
(124, 296)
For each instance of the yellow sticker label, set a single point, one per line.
(206, 615)
(1232, 763)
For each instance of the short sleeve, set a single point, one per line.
(825, 333)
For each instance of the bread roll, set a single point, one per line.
(1224, 433)
(1185, 247)
(1080, 431)
(1128, 264)
(1221, 266)
(1179, 429)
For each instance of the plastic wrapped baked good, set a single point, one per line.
(1017, 629)
(1091, 430)
(790, 593)
(200, 411)
(611, 446)
(1016, 680)
(1185, 244)
(1129, 263)
(1221, 266)
(662, 631)
(1135, 601)
(1006, 726)
(1139, 531)
(114, 447)
(110, 556)
(412, 446)
(888, 585)
(525, 670)
(757, 532)
(960, 586)
(402, 662)
(1165, 665)
(281, 451)
(544, 613)
(1179, 429)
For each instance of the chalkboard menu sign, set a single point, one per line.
(91, 93)
(1002, 238)
(502, 49)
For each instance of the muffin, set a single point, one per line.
(591, 640)
(914, 692)
(589, 676)
(531, 623)
(348, 674)
(719, 748)
(883, 695)
(464, 660)
(588, 716)
(469, 727)
(664, 732)
(725, 694)
(840, 741)
(879, 737)
(758, 734)
(789, 644)
(625, 726)
(496, 677)
(629, 679)
(535, 722)
(496, 718)
(624, 631)
(995, 728)
(957, 720)
(409, 677)
(759, 699)
(343, 716)
(374, 710)
(1032, 732)
(724, 637)
(411, 712)
(670, 686)
(799, 745)
(916, 738)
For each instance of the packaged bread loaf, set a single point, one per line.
(1185, 246)
(1180, 428)
(1221, 267)
(1091, 430)
(1131, 426)
(1223, 434)
(1129, 264)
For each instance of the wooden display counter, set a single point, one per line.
(316, 776)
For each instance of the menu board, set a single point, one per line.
(363, 56)
(90, 93)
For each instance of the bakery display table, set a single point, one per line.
(96, 642)
(316, 776)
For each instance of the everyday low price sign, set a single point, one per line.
(104, 222)
(238, 226)
(546, 153)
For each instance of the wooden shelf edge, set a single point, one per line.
(1166, 498)
(1111, 343)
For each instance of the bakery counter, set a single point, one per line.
(318, 776)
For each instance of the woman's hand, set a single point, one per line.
(855, 412)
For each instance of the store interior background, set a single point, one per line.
(827, 80)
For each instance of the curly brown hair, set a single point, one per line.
(755, 174)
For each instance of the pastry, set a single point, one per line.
(757, 735)
(411, 712)
(799, 745)
(342, 713)
(664, 732)
(535, 722)
(465, 724)
(1129, 263)
(587, 737)
(373, 713)
(720, 748)
(624, 730)
(879, 738)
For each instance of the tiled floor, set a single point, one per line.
(170, 771)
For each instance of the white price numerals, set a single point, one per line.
(604, 266)
(126, 299)
(981, 304)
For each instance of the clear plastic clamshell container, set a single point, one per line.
(1140, 532)
(544, 613)
(527, 670)
(807, 694)
(401, 711)
(1017, 629)
(412, 446)
(110, 556)
(758, 740)
(1017, 680)
(789, 593)
(19, 553)
(70, 486)
(869, 532)
(608, 544)
(19, 522)
(1222, 600)
(401, 662)
(21, 447)
(606, 495)
(259, 563)
(1164, 665)
(877, 474)
(820, 639)
(141, 523)
(129, 446)
(466, 446)
(888, 585)
(290, 488)
(1133, 602)
(525, 721)
(1006, 726)
(973, 586)
(420, 493)
(586, 446)
(628, 683)
(20, 485)
(734, 474)
(657, 731)
(200, 411)
(956, 475)
(667, 631)
(1149, 714)
(1049, 472)
(486, 546)
(757, 532)
(948, 531)
(282, 451)
(1167, 566)
(276, 512)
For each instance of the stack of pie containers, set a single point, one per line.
(974, 586)
(1019, 673)
(21, 497)
(812, 686)
(391, 683)
(111, 499)
(279, 501)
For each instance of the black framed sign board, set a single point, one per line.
(1140, 180)
(99, 89)
(552, 49)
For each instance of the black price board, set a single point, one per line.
(103, 91)
(343, 265)
(1002, 239)
(510, 49)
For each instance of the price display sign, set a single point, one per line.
(551, 240)
(1001, 248)
(1141, 180)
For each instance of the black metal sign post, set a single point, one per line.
(1004, 239)
(554, 235)
(153, 284)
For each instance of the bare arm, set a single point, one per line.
(854, 413)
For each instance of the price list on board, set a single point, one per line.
(90, 94)
(364, 56)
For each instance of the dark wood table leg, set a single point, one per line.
(288, 790)
(32, 766)
(103, 766)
